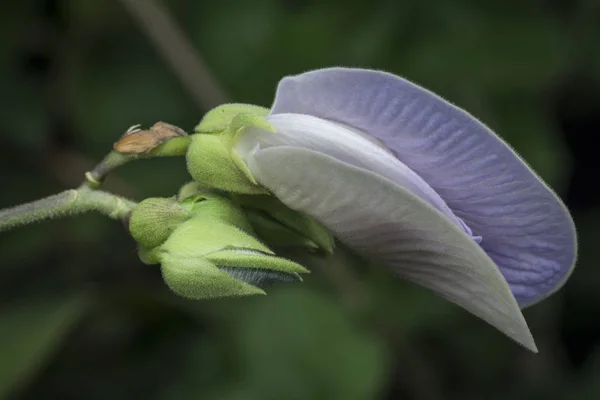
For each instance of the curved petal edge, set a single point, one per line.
(526, 229)
(395, 228)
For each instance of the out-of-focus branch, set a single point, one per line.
(177, 50)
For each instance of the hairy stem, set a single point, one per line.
(67, 203)
(113, 160)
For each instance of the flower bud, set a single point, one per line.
(153, 220)
(268, 215)
(206, 258)
(198, 278)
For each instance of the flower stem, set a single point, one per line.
(113, 160)
(67, 203)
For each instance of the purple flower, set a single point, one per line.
(418, 185)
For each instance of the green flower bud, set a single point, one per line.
(207, 258)
(198, 278)
(153, 220)
(219, 118)
(268, 212)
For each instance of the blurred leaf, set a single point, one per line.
(92, 15)
(301, 345)
(494, 54)
(529, 128)
(296, 344)
(23, 116)
(589, 388)
(404, 318)
(29, 335)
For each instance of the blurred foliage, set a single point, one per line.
(81, 318)
(28, 333)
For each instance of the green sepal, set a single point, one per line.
(249, 259)
(198, 278)
(244, 120)
(189, 189)
(211, 158)
(210, 163)
(200, 236)
(236, 128)
(260, 277)
(219, 118)
(153, 220)
(148, 256)
(275, 234)
(296, 221)
(211, 205)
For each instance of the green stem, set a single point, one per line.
(67, 203)
(113, 160)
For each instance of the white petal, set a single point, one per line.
(345, 144)
(393, 226)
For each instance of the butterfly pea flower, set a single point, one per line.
(415, 184)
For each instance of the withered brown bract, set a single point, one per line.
(139, 141)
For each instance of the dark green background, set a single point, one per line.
(82, 318)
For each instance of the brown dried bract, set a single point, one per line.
(139, 141)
